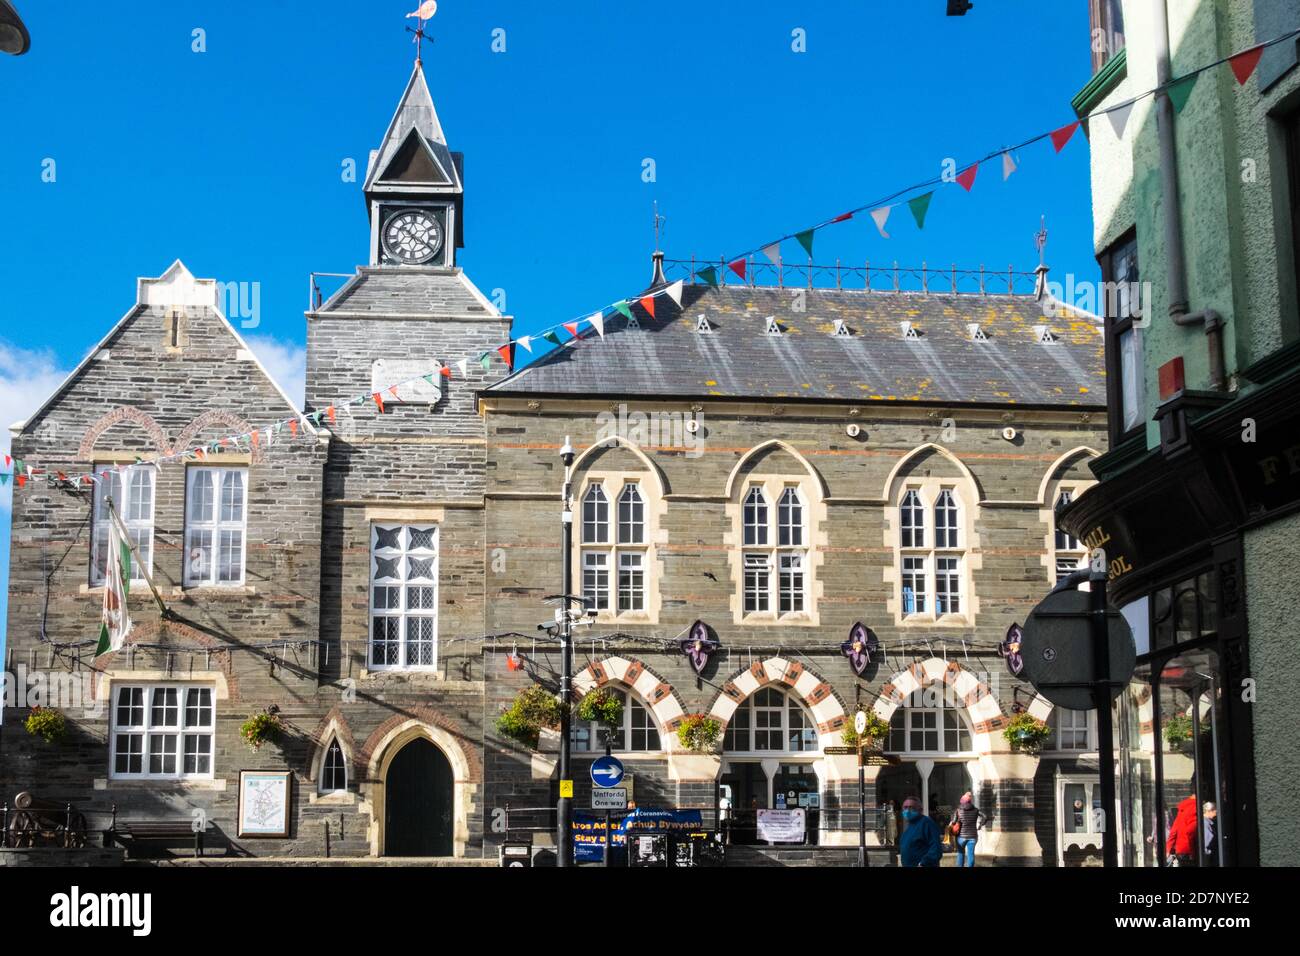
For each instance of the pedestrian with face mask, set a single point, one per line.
(921, 843)
(965, 826)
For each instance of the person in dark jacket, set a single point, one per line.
(920, 844)
(968, 818)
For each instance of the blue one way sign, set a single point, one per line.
(606, 772)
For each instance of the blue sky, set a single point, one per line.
(231, 159)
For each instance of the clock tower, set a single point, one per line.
(413, 187)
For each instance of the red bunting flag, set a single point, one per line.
(252, 437)
(738, 267)
(572, 328)
(293, 427)
(225, 442)
(648, 303)
(1062, 136)
(86, 480)
(22, 480)
(1244, 63)
(62, 476)
(392, 390)
(504, 352)
(200, 454)
(330, 412)
(379, 402)
(967, 177)
(446, 371)
(8, 461)
(842, 217)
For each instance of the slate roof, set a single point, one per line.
(737, 359)
(415, 111)
(408, 290)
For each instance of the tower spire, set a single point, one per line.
(424, 13)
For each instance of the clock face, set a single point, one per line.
(413, 236)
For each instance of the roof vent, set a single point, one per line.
(632, 323)
(702, 324)
(841, 328)
(909, 331)
(773, 327)
(976, 333)
(1044, 335)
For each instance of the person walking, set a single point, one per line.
(965, 825)
(921, 843)
(1180, 844)
(1210, 818)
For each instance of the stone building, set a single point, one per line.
(776, 465)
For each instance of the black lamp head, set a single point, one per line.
(958, 8)
(14, 37)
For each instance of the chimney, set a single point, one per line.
(657, 277)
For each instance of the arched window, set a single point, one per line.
(935, 570)
(770, 721)
(604, 559)
(930, 721)
(774, 576)
(334, 769)
(1069, 549)
(637, 734)
(755, 517)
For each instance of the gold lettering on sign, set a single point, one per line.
(1095, 538)
(1118, 566)
(1270, 465)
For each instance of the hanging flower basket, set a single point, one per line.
(261, 727)
(699, 733)
(876, 730)
(601, 706)
(1177, 731)
(533, 709)
(1026, 734)
(47, 723)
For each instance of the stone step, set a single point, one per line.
(385, 861)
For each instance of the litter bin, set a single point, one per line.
(517, 855)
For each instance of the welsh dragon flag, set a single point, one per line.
(116, 622)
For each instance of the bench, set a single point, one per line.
(155, 831)
(36, 822)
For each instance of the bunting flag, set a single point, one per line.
(379, 402)
(1118, 117)
(675, 292)
(1008, 165)
(920, 206)
(709, 274)
(22, 480)
(773, 252)
(1244, 63)
(507, 356)
(738, 266)
(445, 371)
(252, 438)
(625, 309)
(293, 424)
(115, 621)
(550, 336)
(463, 365)
(4, 477)
(967, 176)
(881, 216)
(842, 217)
(597, 320)
(806, 239)
(485, 360)
(571, 328)
(1062, 136)
(8, 461)
(1180, 90)
(392, 390)
(648, 303)
(333, 418)
(527, 342)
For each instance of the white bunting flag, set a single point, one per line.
(1119, 118)
(881, 216)
(675, 292)
(526, 342)
(598, 323)
(1008, 166)
(463, 365)
(773, 252)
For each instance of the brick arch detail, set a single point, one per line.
(794, 677)
(148, 631)
(983, 711)
(425, 715)
(665, 703)
(320, 739)
(210, 418)
(123, 413)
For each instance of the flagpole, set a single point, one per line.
(144, 569)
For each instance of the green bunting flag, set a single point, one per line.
(485, 360)
(806, 239)
(1180, 90)
(624, 309)
(920, 206)
(428, 378)
(551, 337)
(709, 274)
(4, 478)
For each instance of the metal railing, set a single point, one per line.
(865, 277)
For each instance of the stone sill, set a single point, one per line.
(106, 783)
(433, 678)
(766, 620)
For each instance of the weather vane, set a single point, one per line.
(425, 12)
(1040, 239)
(659, 221)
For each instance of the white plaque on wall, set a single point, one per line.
(414, 388)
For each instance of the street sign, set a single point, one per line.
(839, 751)
(606, 771)
(609, 798)
(860, 722)
(566, 788)
(1057, 650)
(878, 760)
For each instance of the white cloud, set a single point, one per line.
(27, 378)
(286, 361)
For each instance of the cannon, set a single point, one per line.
(34, 822)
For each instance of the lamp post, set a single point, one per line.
(14, 37)
(564, 835)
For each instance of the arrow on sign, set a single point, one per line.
(606, 772)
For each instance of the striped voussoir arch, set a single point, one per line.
(664, 701)
(791, 676)
(981, 705)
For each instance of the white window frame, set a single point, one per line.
(139, 529)
(587, 736)
(774, 551)
(215, 526)
(916, 718)
(920, 554)
(403, 614)
(1088, 730)
(1066, 548)
(620, 548)
(758, 703)
(325, 768)
(147, 732)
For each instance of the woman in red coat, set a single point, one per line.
(1182, 833)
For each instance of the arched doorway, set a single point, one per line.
(418, 802)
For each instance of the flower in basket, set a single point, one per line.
(261, 727)
(47, 723)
